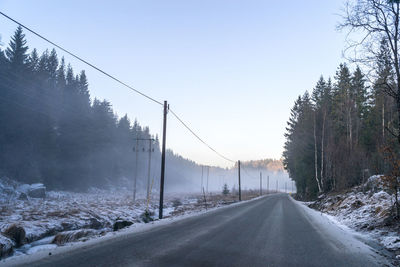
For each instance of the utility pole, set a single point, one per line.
(208, 173)
(148, 170)
(136, 149)
(277, 186)
(160, 212)
(260, 183)
(202, 170)
(136, 167)
(240, 190)
(292, 188)
(285, 187)
(268, 184)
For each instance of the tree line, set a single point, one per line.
(349, 128)
(53, 132)
(335, 134)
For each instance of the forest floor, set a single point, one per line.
(366, 209)
(29, 225)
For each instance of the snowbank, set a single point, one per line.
(64, 217)
(366, 208)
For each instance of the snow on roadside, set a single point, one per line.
(366, 209)
(64, 217)
(25, 258)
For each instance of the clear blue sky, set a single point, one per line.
(231, 69)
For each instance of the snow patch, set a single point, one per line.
(365, 209)
(94, 212)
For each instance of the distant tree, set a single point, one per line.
(225, 190)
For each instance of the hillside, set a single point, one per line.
(272, 165)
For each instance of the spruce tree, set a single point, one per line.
(17, 51)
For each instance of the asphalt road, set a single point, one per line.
(271, 231)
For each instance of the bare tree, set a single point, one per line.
(370, 22)
(315, 155)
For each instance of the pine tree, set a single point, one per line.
(299, 148)
(52, 65)
(225, 190)
(17, 51)
(33, 61)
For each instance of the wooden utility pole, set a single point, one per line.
(277, 186)
(160, 212)
(260, 183)
(268, 184)
(148, 170)
(136, 149)
(208, 173)
(240, 189)
(202, 171)
(136, 167)
(205, 199)
(285, 187)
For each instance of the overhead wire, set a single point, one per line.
(119, 81)
(81, 59)
(198, 137)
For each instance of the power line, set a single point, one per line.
(201, 140)
(82, 60)
(117, 80)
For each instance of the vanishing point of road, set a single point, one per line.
(270, 231)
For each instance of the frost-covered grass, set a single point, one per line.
(64, 217)
(365, 208)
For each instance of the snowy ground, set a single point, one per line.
(366, 209)
(63, 217)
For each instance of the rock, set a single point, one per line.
(37, 191)
(6, 246)
(16, 233)
(23, 196)
(70, 236)
(121, 224)
(95, 224)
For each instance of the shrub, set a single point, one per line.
(176, 203)
(225, 190)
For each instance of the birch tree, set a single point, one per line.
(370, 22)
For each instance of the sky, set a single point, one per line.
(230, 69)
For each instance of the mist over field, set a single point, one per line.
(200, 133)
